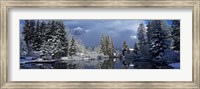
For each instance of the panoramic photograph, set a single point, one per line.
(99, 44)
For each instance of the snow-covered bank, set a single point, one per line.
(85, 56)
(175, 65)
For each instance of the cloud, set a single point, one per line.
(78, 31)
(87, 30)
(119, 30)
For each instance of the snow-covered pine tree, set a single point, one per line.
(102, 44)
(72, 48)
(37, 36)
(110, 47)
(167, 34)
(55, 44)
(65, 47)
(23, 48)
(51, 47)
(97, 49)
(107, 45)
(176, 34)
(136, 49)
(63, 36)
(80, 46)
(124, 48)
(28, 32)
(142, 41)
(43, 29)
(157, 35)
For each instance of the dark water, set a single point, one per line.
(107, 63)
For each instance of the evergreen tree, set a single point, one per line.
(110, 47)
(136, 51)
(37, 37)
(65, 47)
(54, 36)
(51, 47)
(28, 32)
(33, 34)
(142, 47)
(80, 46)
(157, 35)
(142, 39)
(136, 48)
(102, 44)
(62, 35)
(106, 45)
(124, 46)
(48, 37)
(72, 49)
(23, 48)
(43, 29)
(97, 49)
(176, 34)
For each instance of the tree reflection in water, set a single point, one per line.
(106, 63)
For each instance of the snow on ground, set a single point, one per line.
(172, 56)
(175, 65)
(25, 59)
(84, 56)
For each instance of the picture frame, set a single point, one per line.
(4, 46)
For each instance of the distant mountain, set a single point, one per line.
(78, 31)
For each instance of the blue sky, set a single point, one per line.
(91, 30)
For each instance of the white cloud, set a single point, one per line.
(87, 30)
(78, 28)
(81, 29)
